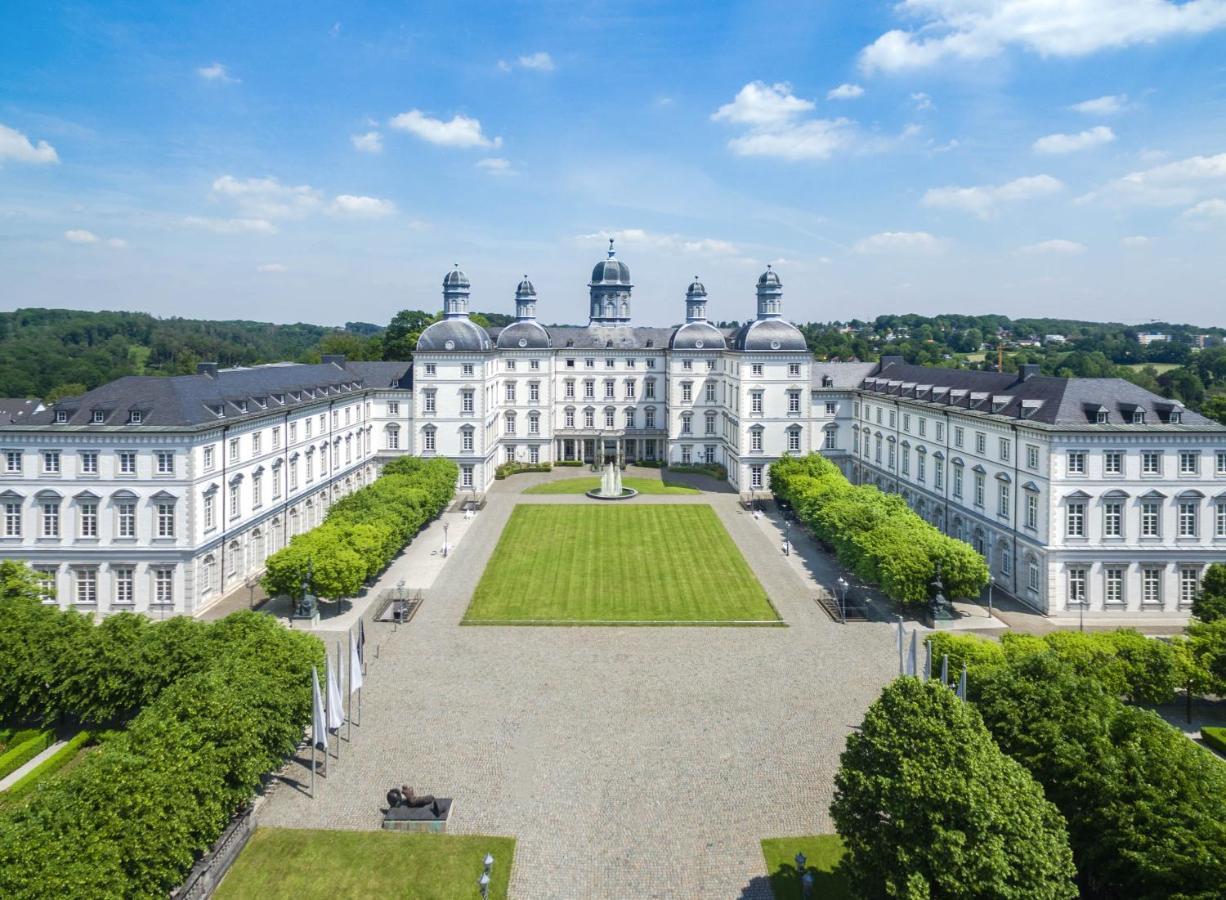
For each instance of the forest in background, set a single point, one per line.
(53, 353)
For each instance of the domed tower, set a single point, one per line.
(696, 302)
(455, 294)
(770, 294)
(525, 300)
(610, 291)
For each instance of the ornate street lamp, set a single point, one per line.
(843, 586)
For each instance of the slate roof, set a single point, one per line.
(844, 376)
(610, 337)
(1068, 402)
(15, 410)
(187, 400)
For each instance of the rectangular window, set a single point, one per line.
(756, 370)
(1004, 449)
(1151, 585)
(958, 481)
(793, 402)
(1151, 463)
(89, 462)
(832, 408)
(257, 491)
(938, 474)
(906, 422)
(51, 462)
(1113, 593)
(609, 421)
(755, 477)
(981, 443)
(1032, 456)
(1002, 499)
(609, 363)
(940, 431)
(208, 459)
(166, 520)
(957, 435)
(510, 391)
(235, 504)
(1220, 529)
(431, 370)
(921, 460)
(165, 463)
(589, 418)
(1076, 462)
(210, 511)
(1077, 586)
(256, 440)
(1189, 462)
(1113, 462)
(687, 391)
(710, 393)
(1113, 519)
(466, 440)
(609, 389)
(276, 435)
(1032, 511)
(830, 439)
(466, 370)
(88, 520)
(12, 520)
(979, 480)
(51, 520)
(755, 401)
(1151, 521)
(793, 440)
(86, 586)
(124, 579)
(1032, 576)
(12, 461)
(1075, 520)
(126, 520)
(164, 586)
(1219, 465)
(127, 463)
(1187, 519)
(1189, 586)
(793, 370)
(923, 426)
(755, 439)
(589, 362)
(466, 402)
(466, 476)
(650, 418)
(589, 389)
(534, 391)
(233, 449)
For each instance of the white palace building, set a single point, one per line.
(163, 494)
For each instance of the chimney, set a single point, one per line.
(336, 359)
(207, 368)
(1027, 371)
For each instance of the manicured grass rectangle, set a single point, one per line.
(299, 864)
(591, 483)
(822, 855)
(605, 564)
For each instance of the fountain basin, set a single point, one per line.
(626, 494)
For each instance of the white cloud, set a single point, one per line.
(771, 114)
(537, 62)
(845, 92)
(984, 200)
(922, 101)
(1102, 106)
(979, 29)
(460, 131)
(217, 72)
(666, 243)
(370, 142)
(1057, 246)
(16, 146)
(266, 198)
(80, 236)
(1135, 240)
(1206, 211)
(761, 104)
(272, 267)
(366, 207)
(1179, 183)
(1071, 143)
(920, 242)
(117, 243)
(231, 226)
(495, 166)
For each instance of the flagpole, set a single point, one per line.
(349, 694)
(312, 767)
(340, 677)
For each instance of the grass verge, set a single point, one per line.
(823, 852)
(583, 485)
(301, 864)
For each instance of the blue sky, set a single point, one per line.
(329, 162)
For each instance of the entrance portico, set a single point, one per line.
(602, 448)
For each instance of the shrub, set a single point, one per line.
(20, 754)
(714, 470)
(1142, 801)
(1214, 737)
(928, 806)
(45, 769)
(514, 468)
(364, 531)
(649, 463)
(976, 652)
(876, 535)
(569, 463)
(1209, 604)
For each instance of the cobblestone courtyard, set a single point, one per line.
(629, 762)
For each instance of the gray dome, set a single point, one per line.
(524, 336)
(770, 334)
(697, 289)
(525, 288)
(455, 278)
(697, 336)
(454, 334)
(770, 276)
(611, 271)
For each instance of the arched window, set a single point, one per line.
(233, 558)
(208, 575)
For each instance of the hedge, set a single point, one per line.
(131, 819)
(514, 468)
(876, 535)
(569, 463)
(714, 470)
(1215, 737)
(364, 531)
(20, 754)
(46, 768)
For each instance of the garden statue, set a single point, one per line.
(304, 606)
(939, 609)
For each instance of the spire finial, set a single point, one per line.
(768, 266)
(610, 248)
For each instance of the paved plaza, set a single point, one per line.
(629, 762)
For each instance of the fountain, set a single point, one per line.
(611, 485)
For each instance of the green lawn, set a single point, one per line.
(603, 564)
(583, 485)
(298, 864)
(822, 854)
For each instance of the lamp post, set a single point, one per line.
(446, 525)
(787, 536)
(843, 586)
(991, 583)
(1081, 613)
(806, 877)
(484, 881)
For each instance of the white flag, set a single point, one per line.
(355, 665)
(336, 713)
(319, 730)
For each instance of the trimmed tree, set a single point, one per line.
(1209, 605)
(928, 806)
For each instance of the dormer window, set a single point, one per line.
(295, 396)
(61, 416)
(98, 417)
(827, 381)
(1138, 417)
(1100, 417)
(279, 398)
(1176, 417)
(242, 406)
(135, 417)
(218, 411)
